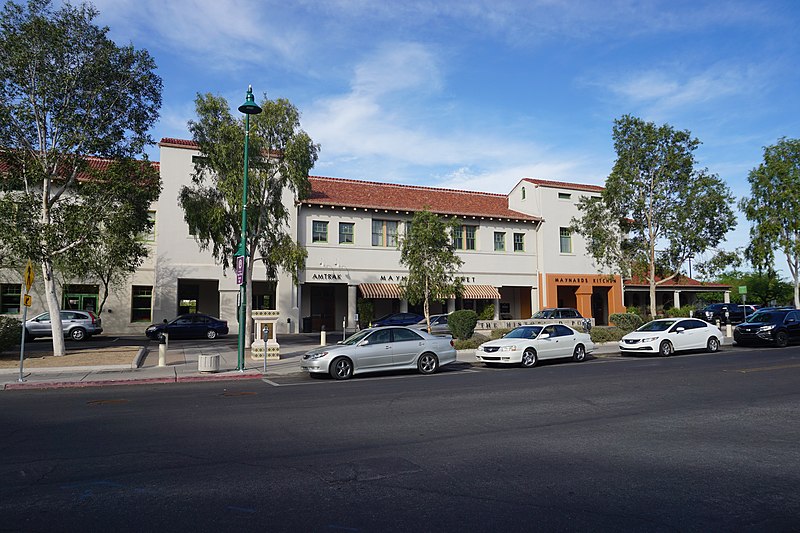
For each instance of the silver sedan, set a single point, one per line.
(376, 349)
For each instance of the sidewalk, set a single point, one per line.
(182, 366)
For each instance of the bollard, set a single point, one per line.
(323, 340)
(162, 352)
(728, 331)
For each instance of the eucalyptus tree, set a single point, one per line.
(428, 251)
(773, 208)
(68, 93)
(656, 209)
(282, 154)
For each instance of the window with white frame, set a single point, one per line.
(499, 241)
(565, 240)
(346, 232)
(519, 242)
(10, 296)
(319, 231)
(384, 233)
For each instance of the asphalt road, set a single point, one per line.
(694, 443)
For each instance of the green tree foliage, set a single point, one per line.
(67, 92)
(462, 323)
(10, 332)
(282, 154)
(763, 288)
(429, 254)
(773, 208)
(656, 209)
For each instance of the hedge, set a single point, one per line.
(606, 334)
(627, 322)
(462, 323)
(470, 344)
(10, 332)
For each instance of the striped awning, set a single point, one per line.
(380, 290)
(392, 290)
(480, 292)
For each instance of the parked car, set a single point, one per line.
(381, 348)
(78, 325)
(397, 319)
(777, 326)
(725, 313)
(526, 345)
(666, 336)
(189, 326)
(557, 312)
(439, 325)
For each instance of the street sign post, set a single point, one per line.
(239, 269)
(743, 293)
(28, 278)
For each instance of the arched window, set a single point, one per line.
(523, 193)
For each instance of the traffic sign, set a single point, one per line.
(28, 276)
(27, 300)
(239, 269)
(743, 289)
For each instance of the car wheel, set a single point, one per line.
(781, 339)
(77, 334)
(341, 368)
(712, 345)
(529, 358)
(211, 334)
(665, 350)
(579, 354)
(428, 363)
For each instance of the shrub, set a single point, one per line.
(462, 323)
(627, 322)
(470, 344)
(366, 312)
(676, 312)
(487, 313)
(499, 332)
(10, 331)
(606, 334)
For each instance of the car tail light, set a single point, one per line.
(94, 318)
(452, 343)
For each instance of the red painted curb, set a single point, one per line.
(217, 377)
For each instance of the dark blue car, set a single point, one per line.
(190, 326)
(398, 319)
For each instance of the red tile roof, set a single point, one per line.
(389, 196)
(565, 185)
(178, 143)
(678, 281)
(96, 163)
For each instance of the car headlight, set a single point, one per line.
(508, 348)
(317, 355)
(648, 339)
(767, 327)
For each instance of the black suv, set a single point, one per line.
(778, 326)
(725, 313)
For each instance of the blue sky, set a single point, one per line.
(478, 94)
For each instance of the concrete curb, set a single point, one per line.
(136, 381)
(138, 361)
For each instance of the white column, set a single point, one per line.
(404, 306)
(496, 309)
(676, 297)
(451, 305)
(351, 306)
(534, 303)
(727, 298)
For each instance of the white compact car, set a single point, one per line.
(666, 336)
(526, 345)
(384, 348)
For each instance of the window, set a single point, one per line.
(464, 239)
(519, 242)
(319, 231)
(141, 303)
(499, 241)
(384, 233)
(150, 236)
(81, 297)
(564, 196)
(565, 241)
(346, 230)
(10, 295)
(523, 193)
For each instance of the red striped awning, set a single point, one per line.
(480, 292)
(380, 290)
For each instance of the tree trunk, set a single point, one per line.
(426, 307)
(54, 308)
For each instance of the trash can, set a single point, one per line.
(306, 324)
(208, 363)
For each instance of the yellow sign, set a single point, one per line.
(27, 300)
(28, 276)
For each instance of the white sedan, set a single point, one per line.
(377, 349)
(669, 335)
(526, 345)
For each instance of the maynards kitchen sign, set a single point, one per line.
(581, 279)
(383, 278)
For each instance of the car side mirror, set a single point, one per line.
(339, 342)
(544, 336)
(364, 342)
(680, 330)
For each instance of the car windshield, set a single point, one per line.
(657, 325)
(527, 332)
(544, 313)
(357, 337)
(762, 317)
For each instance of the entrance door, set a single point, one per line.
(600, 306)
(323, 307)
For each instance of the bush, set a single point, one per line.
(606, 334)
(366, 312)
(627, 322)
(498, 333)
(462, 323)
(487, 313)
(675, 312)
(470, 344)
(10, 331)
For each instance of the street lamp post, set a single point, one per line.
(249, 107)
